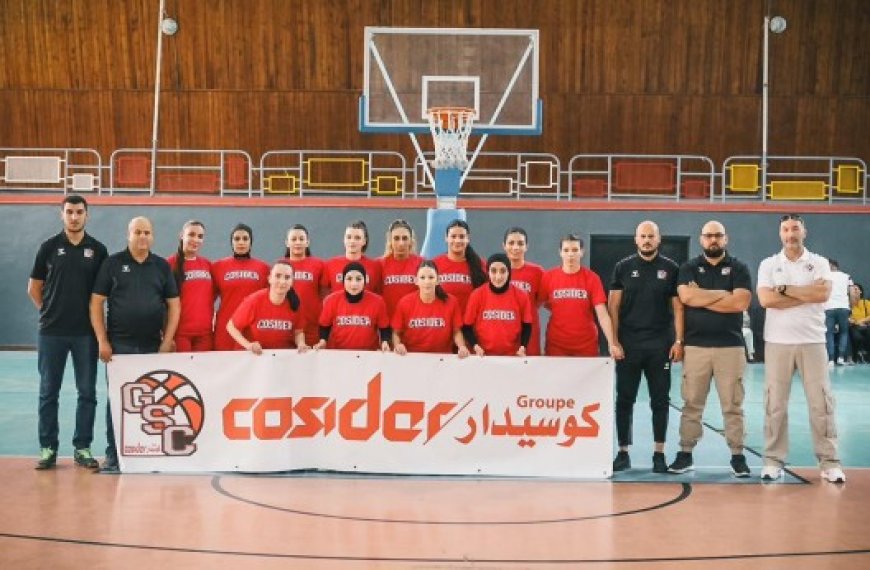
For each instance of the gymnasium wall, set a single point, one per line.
(753, 236)
(658, 76)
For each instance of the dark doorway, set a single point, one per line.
(607, 250)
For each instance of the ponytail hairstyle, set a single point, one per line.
(301, 228)
(292, 297)
(478, 275)
(440, 293)
(360, 225)
(394, 225)
(178, 272)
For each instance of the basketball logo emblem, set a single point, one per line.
(176, 392)
(164, 413)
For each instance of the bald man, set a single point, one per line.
(647, 316)
(143, 308)
(715, 288)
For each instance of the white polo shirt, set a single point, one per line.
(839, 298)
(804, 324)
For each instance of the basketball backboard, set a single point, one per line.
(493, 71)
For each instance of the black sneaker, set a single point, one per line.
(110, 465)
(47, 458)
(84, 458)
(682, 463)
(739, 468)
(621, 462)
(659, 463)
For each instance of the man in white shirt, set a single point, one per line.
(793, 285)
(837, 312)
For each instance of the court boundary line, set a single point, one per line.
(463, 560)
(685, 493)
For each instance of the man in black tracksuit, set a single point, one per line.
(648, 319)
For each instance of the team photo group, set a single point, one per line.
(93, 305)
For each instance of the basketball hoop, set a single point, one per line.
(450, 128)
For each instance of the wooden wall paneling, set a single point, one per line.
(784, 119)
(814, 129)
(850, 118)
(851, 63)
(653, 76)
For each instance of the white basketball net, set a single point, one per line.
(450, 128)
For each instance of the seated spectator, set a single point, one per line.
(859, 324)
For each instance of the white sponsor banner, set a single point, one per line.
(363, 411)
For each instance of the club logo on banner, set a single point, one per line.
(162, 414)
(364, 412)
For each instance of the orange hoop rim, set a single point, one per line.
(446, 116)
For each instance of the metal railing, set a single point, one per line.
(795, 178)
(502, 175)
(333, 172)
(51, 170)
(641, 176)
(186, 171)
(495, 175)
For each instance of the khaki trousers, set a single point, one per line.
(700, 365)
(811, 362)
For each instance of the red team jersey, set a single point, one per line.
(427, 327)
(235, 279)
(354, 325)
(455, 279)
(528, 280)
(571, 299)
(307, 282)
(399, 277)
(273, 326)
(334, 268)
(197, 297)
(497, 319)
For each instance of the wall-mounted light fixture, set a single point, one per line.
(169, 26)
(778, 24)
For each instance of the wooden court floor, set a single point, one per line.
(72, 518)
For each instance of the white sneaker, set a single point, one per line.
(770, 473)
(830, 365)
(840, 361)
(834, 475)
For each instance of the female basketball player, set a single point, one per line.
(356, 242)
(399, 264)
(498, 319)
(307, 280)
(270, 318)
(460, 270)
(575, 297)
(525, 276)
(428, 320)
(235, 278)
(354, 319)
(193, 275)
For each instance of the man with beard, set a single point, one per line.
(715, 289)
(793, 285)
(646, 315)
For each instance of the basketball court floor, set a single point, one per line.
(71, 518)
